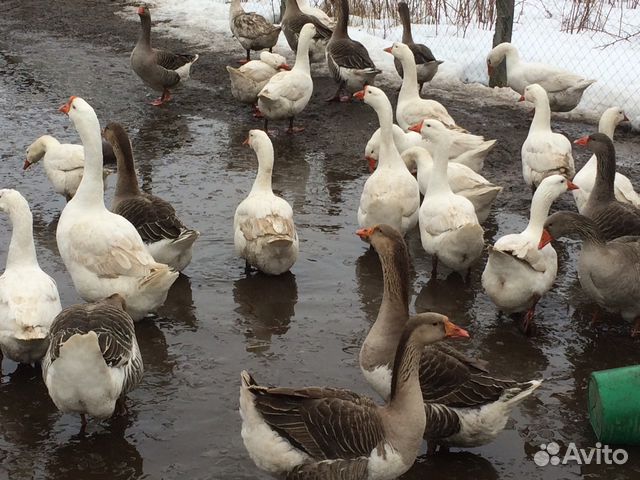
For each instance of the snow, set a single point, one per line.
(537, 34)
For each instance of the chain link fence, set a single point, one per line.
(598, 39)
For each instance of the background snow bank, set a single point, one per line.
(537, 34)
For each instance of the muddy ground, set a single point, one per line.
(298, 329)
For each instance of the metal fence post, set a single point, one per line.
(504, 29)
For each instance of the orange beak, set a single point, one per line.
(364, 233)
(572, 186)
(67, 106)
(284, 66)
(417, 127)
(26, 165)
(388, 49)
(582, 140)
(246, 141)
(372, 163)
(452, 330)
(544, 239)
(359, 95)
(140, 10)
(521, 99)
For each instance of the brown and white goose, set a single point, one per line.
(292, 22)
(613, 218)
(93, 359)
(298, 432)
(159, 69)
(253, 31)
(348, 61)
(607, 271)
(426, 63)
(465, 405)
(162, 232)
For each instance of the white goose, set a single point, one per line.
(102, 251)
(93, 359)
(565, 89)
(586, 176)
(286, 94)
(390, 195)
(403, 140)
(517, 273)
(544, 152)
(411, 108)
(462, 180)
(264, 232)
(250, 78)
(63, 163)
(29, 298)
(449, 227)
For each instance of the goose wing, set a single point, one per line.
(154, 218)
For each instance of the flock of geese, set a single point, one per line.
(124, 260)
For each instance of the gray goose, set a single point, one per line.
(159, 69)
(348, 61)
(608, 270)
(93, 359)
(292, 22)
(300, 432)
(252, 30)
(162, 232)
(426, 63)
(613, 218)
(465, 405)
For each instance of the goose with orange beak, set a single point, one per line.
(518, 273)
(390, 195)
(607, 270)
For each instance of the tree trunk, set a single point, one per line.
(503, 31)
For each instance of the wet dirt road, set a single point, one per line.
(298, 329)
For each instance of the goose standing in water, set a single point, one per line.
(252, 30)
(165, 236)
(465, 405)
(586, 177)
(286, 94)
(264, 232)
(613, 218)
(159, 69)
(348, 60)
(93, 359)
(29, 298)
(517, 273)
(102, 251)
(607, 271)
(426, 63)
(320, 432)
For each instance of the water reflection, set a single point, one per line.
(179, 305)
(370, 283)
(266, 305)
(450, 296)
(441, 466)
(104, 454)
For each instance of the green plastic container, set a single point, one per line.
(614, 405)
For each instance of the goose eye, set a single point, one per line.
(435, 324)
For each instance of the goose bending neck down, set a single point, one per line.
(390, 194)
(102, 251)
(287, 431)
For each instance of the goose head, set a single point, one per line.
(77, 109)
(259, 142)
(143, 11)
(383, 238)
(498, 54)
(610, 119)
(429, 327)
(275, 61)
(10, 199)
(399, 50)
(307, 32)
(597, 143)
(553, 186)
(433, 131)
(562, 224)
(534, 93)
(372, 96)
(36, 151)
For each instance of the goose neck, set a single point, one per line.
(302, 56)
(145, 31)
(262, 183)
(541, 116)
(407, 37)
(127, 182)
(22, 250)
(607, 125)
(342, 19)
(409, 88)
(438, 180)
(91, 188)
(235, 9)
(603, 189)
(389, 156)
(540, 205)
